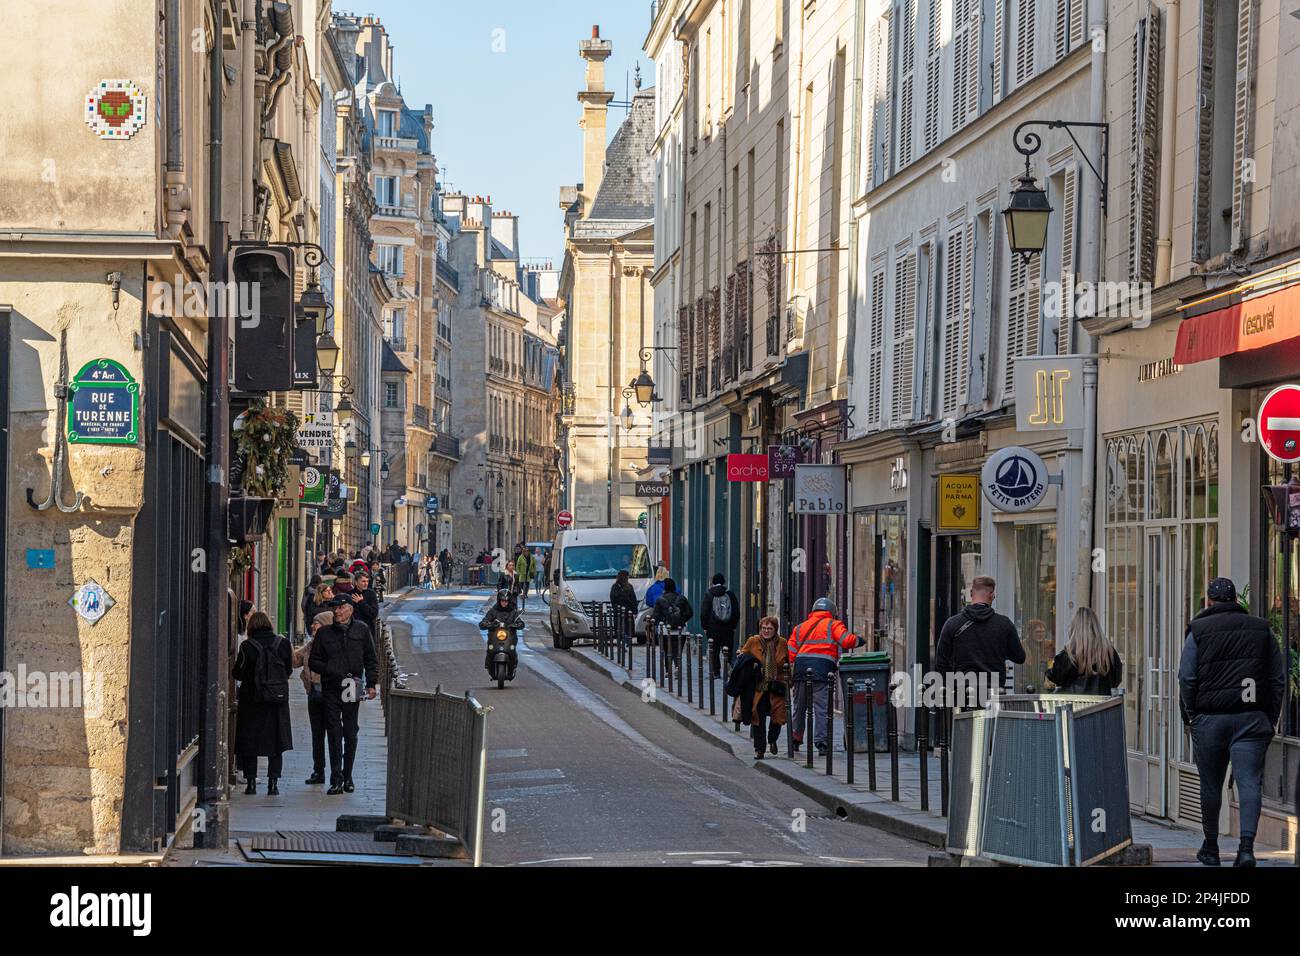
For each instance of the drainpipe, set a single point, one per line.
(1169, 96)
(612, 421)
(855, 166)
(1092, 262)
(172, 25)
(282, 19)
(248, 106)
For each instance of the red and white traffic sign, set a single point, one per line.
(1279, 423)
(564, 519)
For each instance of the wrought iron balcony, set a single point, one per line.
(420, 415)
(448, 275)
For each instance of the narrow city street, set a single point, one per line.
(580, 771)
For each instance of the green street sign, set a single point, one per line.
(374, 530)
(103, 405)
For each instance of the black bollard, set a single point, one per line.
(686, 668)
(671, 644)
(893, 750)
(944, 730)
(808, 720)
(651, 638)
(724, 658)
(790, 716)
(830, 722)
(923, 748)
(871, 734)
(850, 702)
(699, 665)
(713, 678)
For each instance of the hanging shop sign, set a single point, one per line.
(289, 504)
(781, 460)
(103, 405)
(1279, 424)
(1014, 479)
(819, 489)
(313, 486)
(654, 489)
(337, 507)
(1049, 393)
(747, 468)
(959, 503)
(315, 438)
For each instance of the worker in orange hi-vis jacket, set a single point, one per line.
(815, 646)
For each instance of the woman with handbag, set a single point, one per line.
(768, 712)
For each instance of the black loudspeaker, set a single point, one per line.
(249, 518)
(264, 338)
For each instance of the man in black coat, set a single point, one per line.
(674, 611)
(975, 644)
(344, 656)
(366, 602)
(1231, 680)
(720, 616)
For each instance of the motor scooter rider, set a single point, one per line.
(502, 613)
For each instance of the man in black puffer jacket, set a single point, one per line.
(1231, 680)
(978, 641)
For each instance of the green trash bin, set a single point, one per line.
(864, 678)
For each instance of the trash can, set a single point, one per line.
(865, 678)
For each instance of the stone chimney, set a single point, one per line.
(595, 106)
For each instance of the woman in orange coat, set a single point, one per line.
(770, 692)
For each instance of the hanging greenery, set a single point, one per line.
(266, 440)
(241, 559)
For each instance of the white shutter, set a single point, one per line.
(991, 274)
(1061, 28)
(1015, 337)
(1033, 305)
(999, 46)
(1243, 125)
(907, 83)
(875, 89)
(965, 62)
(1078, 21)
(1144, 127)
(932, 62)
(927, 318)
(967, 316)
(1069, 233)
(954, 301)
(876, 348)
(1026, 11)
(904, 335)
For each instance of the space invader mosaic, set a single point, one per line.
(115, 109)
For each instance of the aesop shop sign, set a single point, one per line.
(747, 468)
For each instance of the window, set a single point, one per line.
(1026, 13)
(905, 82)
(1035, 612)
(955, 333)
(1069, 25)
(392, 397)
(876, 348)
(904, 335)
(879, 586)
(877, 164)
(1144, 127)
(604, 561)
(1223, 143)
(386, 122)
(965, 62)
(932, 57)
(388, 258)
(395, 325)
(386, 190)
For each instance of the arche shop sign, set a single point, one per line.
(747, 468)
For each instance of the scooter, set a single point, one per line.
(503, 651)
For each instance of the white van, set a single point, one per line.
(583, 565)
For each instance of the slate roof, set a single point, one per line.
(391, 363)
(627, 187)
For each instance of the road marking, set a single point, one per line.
(871, 859)
(511, 794)
(513, 775)
(505, 754)
(556, 859)
(704, 853)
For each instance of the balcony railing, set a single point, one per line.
(420, 415)
(404, 212)
(396, 142)
(447, 446)
(448, 275)
(397, 344)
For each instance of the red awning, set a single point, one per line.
(1251, 324)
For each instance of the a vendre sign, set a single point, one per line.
(747, 467)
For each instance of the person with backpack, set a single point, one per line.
(720, 616)
(1089, 664)
(975, 645)
(656, 588)
(674, 612)
(262, 667)
(622, 598)
(344, 655)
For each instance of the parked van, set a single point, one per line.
(584, 563)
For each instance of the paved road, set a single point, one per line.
(581, 772)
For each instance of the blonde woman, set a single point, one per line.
(1089, 664)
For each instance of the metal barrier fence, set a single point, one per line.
(1043, 779)
(437, 764)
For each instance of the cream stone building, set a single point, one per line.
(608, 303)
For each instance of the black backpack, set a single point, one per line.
(270, 677)
(675, 615)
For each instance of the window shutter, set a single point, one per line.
(1061, 28)
(932, 61)
(954, 300)
(874, 90)
(1143, 148)
(1078, 21)
(1069, 233)
(884, 87)
(965, 62)
(700, 324)
(1025, 14)
(684, 349)
(999, 46)
(876, 348)
(906, 86)
(1243, 126)
(904, 335)
(967, 316)
(1033, 305)
(990, 301)
(1015, 337)
(1204, 136)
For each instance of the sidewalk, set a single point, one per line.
(1169, 844)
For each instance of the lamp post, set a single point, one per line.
(1029, 211)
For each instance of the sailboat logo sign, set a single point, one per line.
(1014, 479)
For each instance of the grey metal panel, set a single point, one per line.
(1024, 815)
(969, 769)
(1099, 768)
(1046, 703)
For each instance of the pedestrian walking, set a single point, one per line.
(245, 611)
(1231, 681)
(525, 571)
(975, 645)
(763, 694)
(445, 562)
(656, 588)
(539, 570)
(343, 653)
(814, 651)
(322, 601)
(367, 603)
(674, 612)
(315, 697)
(308, 595)
(262, 667)
(720, 616)
(622, 598)
(1089, 664)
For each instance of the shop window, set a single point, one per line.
(1271, 604)
(879, 587)
(1035, 590)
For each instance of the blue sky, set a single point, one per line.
(506, 123)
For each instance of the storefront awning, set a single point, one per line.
(1251, 324)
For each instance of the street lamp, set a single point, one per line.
(384, 470)
(1029, 212)
(327, 353)
(365, 459)
(644, 386)
(343, 410)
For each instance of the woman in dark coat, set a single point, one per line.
(263, 729)
(1089, 664)
(622, 597)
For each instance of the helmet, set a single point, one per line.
(824, 604)
(503, 594)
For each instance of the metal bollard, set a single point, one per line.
(871, 734)
(808, 720)
(923, 748)
(670, 648)
(943, 760)
(830, 722)
(790, 716)
(850, 699)
(686, 668)
(651, 638)
(893, 750)
(713, 704)
(724, 658)
(699, 666)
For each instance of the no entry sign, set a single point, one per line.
(564, 519)
(1279, 424)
